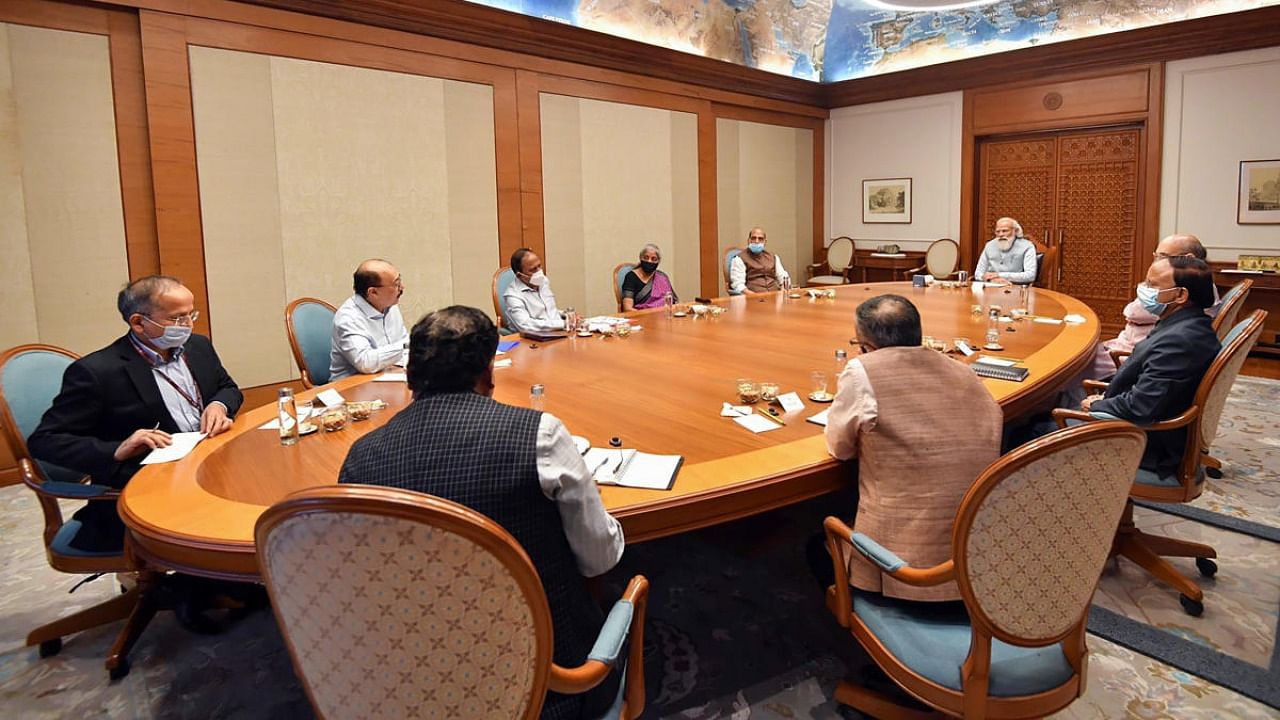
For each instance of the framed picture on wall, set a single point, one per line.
(1259, 199)
(886, 200)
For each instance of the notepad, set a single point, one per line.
(632, 468)
(998, 362)
(1014, 374)
(757, 423)
(819, 419)
(183, 444)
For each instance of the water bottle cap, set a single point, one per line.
(537, 390)
(286, 392)
(841, 354)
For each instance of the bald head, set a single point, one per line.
(1180, 245)
(378, 282)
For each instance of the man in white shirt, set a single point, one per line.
(529, 302)
(757, 269)
(1008, 257)
(368, 330)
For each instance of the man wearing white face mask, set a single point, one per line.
(756, 270)
(1008, 257)
(120, 402)
(530, 304)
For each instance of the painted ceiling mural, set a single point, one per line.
(833, 40)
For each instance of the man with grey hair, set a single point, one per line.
(1008, 257)
(119, 403)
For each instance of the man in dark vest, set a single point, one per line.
(757, 269)
(517, 466)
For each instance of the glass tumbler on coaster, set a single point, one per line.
(818, 381)
(748, 391)
(288, 416)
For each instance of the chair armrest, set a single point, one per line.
(812, 269)
(1095, 385)
(906, 274)
(1118, 356)
(1063, 416)
(626, 619)
(896, 567)
(877, 553)
(64, 490)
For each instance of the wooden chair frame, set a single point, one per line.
(298, 357)
(455, 518)
(1048, 271)
(1230, 308)
(613, 280)
(499, 318)
(973, 701)
(924, 264)
(1148, 551)
(724, 264)
(812, 270)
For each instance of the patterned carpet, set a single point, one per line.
(737, 628)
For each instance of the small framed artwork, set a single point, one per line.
(1259, 199)
(886, 200)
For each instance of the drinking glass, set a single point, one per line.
(768, 391)
(818, 381)
(623, 329)
(748, 391)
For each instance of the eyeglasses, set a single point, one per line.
(397, 284)
(183, 320)
(1165, 256)
(862, 347)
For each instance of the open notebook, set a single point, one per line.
(632, 468)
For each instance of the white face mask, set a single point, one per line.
(174, 336)
(538, 279)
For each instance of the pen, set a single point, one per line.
(771, 417)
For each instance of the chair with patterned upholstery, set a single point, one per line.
(839, 259)
(502, 277)
(30, 378)
(396, 604)
(309, 322)
(729, 255)
(1186, 484)
(1026, 556)
(1230, 307)
(619, 275)
(941, 260)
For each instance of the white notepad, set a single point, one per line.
(183, 444)
(632, 468)
(820, 418)
(757, 423)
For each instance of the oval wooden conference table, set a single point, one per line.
(659, 390)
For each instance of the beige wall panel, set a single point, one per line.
(240, 210)
(65, 129)
(728, 193)
(472, 194)
(682, 250)
(17, 291)
(562, 198)
(803, 139)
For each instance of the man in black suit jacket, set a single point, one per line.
(120, 402)
(1160, 379)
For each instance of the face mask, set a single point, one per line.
(174, 336)
(538, 279)
(1147, 296)
(756, 248)
(648, 266)
(1005, 244)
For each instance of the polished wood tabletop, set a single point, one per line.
(659, 390)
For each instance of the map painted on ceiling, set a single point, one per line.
(833, 40)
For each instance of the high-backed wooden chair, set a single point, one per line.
(1229, 310)
(309, 322)
(1029, 544)
(941, 260)
(1046, 265)
(502, 277)
(835, 267)
(620, 274)
(729, 255)
(396, 604)
(30, 378)
(1187, 482)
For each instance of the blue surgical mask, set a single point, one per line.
(175, 336)
(1147, 296)
(755, 248)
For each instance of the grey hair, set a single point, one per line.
(1017, 226)
(650, 246)
(139, 296)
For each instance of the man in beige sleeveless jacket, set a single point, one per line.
(923, 427)
(755, 270)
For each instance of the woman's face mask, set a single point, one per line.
(649, 266)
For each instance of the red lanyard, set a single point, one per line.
(196, 402)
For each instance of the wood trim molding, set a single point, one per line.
(1153, 132)
(708, 207)
(56, 16)
(529, 124)
(133, 144)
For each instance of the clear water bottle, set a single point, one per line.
(841, 358)
(537, 397)
(993, 327)
(288, 412)
(669, 302)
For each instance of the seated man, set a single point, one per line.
(923, 427)
(118, 403)
(1008, 257)
(530, 304)
(757, 269)
(1160, 379)
(368, 330)
(517, 466)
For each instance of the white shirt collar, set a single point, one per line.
(368, 310)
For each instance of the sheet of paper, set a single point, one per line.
(965, 349)
(651, 472)
(1048, 320)
(820, 418)
(330, 397)
(999, 362)
(790, 402)
(504, 362)
(391, 377)
(734, 410)
(605, 460)
(757, 423)
(183, 444)
(1073, 319)
(304, 412)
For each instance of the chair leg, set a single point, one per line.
(1212, 466)
(148, 588)
(1171, 547)
(117, 608)
(879, 706)
(1134, 547)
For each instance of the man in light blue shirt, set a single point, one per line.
(530, 304)
(1008, 257)
(368, 331)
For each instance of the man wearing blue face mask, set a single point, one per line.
(119, 403)
(757, 269)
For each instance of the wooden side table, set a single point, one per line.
(1264, 294)
(872, 268)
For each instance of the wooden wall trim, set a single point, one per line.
(708, 207)
(56, 16)
(766, 117)
(1153, 132)
(133, 150)
(819, 192)
(529, 122)
(507, 159)
(1173, 41)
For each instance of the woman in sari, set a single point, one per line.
(646, 286)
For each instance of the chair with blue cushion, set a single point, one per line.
(436, 610)
(619, 275)
(729, 255)
(502, 277)
(1225, 319)
(1187, 482)
(30, 378)
(1026, 557)
(309, 322)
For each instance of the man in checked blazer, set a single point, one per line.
(517, 466)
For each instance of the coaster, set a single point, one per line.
(679, 314)
(822, 397)
(584, 333)
(993, 346)
(307, 428)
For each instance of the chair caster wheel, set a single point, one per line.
(1207, 567)
(1194, 608)
(120, 670)
(1213, 472)
(49, 648)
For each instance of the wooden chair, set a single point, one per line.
(502, 277)
(729, 255)
(1030, 541)
(1046, 265)
(1230, 307)
(436, 610)
(1186, 484)
(941, 260)
(836, 266)
(620, 274)
(30, 378)
(309, 322)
